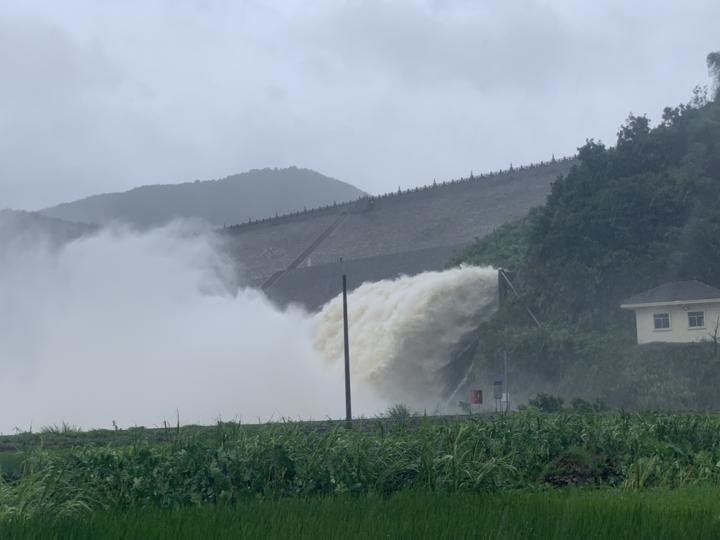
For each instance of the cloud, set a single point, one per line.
(67, 120)
(105, 95)
(488, 46)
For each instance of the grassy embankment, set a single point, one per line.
(517, 475)
(232, 463)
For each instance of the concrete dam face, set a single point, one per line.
(296, 258)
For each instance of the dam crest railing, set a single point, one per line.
(364, 202)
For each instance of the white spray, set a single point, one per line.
(129, 327)
(404, 332)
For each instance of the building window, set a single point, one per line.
(696, 319)
(662, 321)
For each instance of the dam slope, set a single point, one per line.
(296, 258)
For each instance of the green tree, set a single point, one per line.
(630, 217)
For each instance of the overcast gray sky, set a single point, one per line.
(99, 95)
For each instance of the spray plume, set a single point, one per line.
(132, 327)
(406, 332)
(128, 327)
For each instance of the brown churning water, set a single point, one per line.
(404, 332)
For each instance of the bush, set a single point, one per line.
(504, 247)
(578, 466)
(583, 406)
(399, 416)
(547, 402)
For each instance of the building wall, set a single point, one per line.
(679, 331)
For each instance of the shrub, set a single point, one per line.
(547, 402)
(399, 416)
(578, 466)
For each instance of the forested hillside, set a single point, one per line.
(631, 217)
(625, 219)
(236, 199)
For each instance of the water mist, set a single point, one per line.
(129, 327)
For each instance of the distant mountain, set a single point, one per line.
(18, 227)
(251, 195)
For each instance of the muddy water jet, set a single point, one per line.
(406, 332)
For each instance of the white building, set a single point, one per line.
(678, 312)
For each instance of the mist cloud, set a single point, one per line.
(131, 327)
(134, 327)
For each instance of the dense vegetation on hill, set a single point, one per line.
(625, 219)
(505, 247)
(631, 217)
(253, 195)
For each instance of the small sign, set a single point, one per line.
(498, 389)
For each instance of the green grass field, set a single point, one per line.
(566, 514)
(517, 475)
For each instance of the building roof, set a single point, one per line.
(676, 291)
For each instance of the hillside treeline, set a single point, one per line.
(626, 218)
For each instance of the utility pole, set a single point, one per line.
(348, 406)
(507, 383)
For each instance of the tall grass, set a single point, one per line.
(690, 514)
(489, 454)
